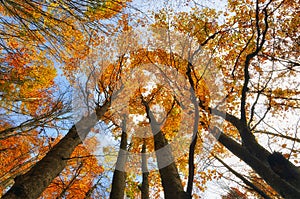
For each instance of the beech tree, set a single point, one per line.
(32, 35)
(168, 86)
(265, 163)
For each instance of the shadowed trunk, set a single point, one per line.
(32, 184)
(284, 187)
(169, 174)
(278, 172)
(119, 177)
(145, 182)
(170, 178)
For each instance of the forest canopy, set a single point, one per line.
(156, 99)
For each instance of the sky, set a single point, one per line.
(214, 189)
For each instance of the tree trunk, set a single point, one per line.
(278, 172)
(119, 177)
(170, 178)
(283, 187)
(145, 182)
(169, 174)
(32, 184)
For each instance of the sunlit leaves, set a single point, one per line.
(35, 36)
(18, 154)
(26, 79)
(104, 9)
(182, 43)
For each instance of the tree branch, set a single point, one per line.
(247, 182)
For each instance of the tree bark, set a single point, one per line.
(169, 174)
(32, 184)
(170, 178)
(119, 177)
(145, 180)
(278, 172)
(283, 187)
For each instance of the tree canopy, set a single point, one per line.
(169, 99)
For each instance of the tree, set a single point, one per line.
(194, 69)
(119, 178)
(145, 183)
(32, 30)
(254, 46)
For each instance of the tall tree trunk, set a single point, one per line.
(145, 180)
(119, 177)
(282, 186)
(32, 184)
(169, 174)
(170, 178)
(278, 172)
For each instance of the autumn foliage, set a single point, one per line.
(159, 101)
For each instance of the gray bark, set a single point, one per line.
(32, 184)
(282, 186)
(170, 178)
(145, 182)
(119, 177)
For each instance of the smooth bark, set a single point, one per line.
(145, 180)
(119, 177)
(282, 186)
(170, 178)
(278, 172)
(32, 184)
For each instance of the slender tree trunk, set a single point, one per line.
(90, 191)
(145, 182)
(32, 184)
(189, 189)
(119, 177)
(170, 178)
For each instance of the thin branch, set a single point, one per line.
(247, 182)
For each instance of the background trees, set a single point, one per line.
(175, 78)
